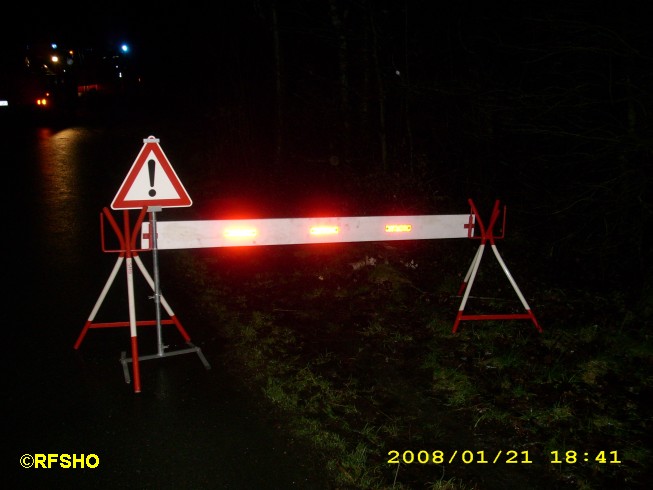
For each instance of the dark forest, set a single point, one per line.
(413, 107)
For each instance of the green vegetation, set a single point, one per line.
(360, 362)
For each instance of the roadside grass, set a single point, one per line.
(360, 363)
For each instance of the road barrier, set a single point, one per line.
(152, 184)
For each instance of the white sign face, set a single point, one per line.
(151, 182)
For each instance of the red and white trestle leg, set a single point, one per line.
(128, 254)
(466, 287)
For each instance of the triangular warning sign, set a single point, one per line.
(151, 182)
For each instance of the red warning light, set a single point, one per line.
(240, 232)
(399, 228)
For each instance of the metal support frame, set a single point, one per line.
(128, 254)
(487, 235)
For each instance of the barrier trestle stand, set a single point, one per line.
(487, 235)
(128, 254)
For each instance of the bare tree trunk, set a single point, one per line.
(380, 87)
(406, 96)
(279, 130)
(363, 120)
(337, 20)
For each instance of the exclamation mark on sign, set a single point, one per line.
(150, 167)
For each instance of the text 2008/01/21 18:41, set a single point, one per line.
(500, 456)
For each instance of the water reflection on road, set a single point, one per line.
(189, 427)
(62, 188)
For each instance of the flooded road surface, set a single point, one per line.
(189, 427)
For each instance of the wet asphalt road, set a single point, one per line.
(189, 427)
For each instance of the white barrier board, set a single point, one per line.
(290, 231)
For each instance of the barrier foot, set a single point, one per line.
(192, 349)
(505, 316)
